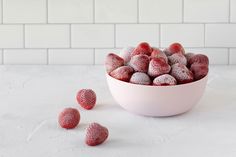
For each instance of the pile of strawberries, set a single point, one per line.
(148, 65)
(69, 118)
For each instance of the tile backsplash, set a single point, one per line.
(84, 31)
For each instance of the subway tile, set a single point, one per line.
(70, 11)
(100, 54)
(92, 36)
(25, 56)
(1, 59)
(11, 36)
(151, 11)
(220, 35)
(206, 11)
(215, 55)
(190, 35)
(233, 10)
(232, 54)
(24, 11)
(115, 11)
(133, 34)
(47, 36)
(71, 56)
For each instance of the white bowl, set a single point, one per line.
(156, 100)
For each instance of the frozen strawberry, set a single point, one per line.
(96, 134)
(123, 73)
(113, 61)
(199, 70)
(188, 55)
(177, 58)
(86, 98)
(158, 67)
(142, 48)
(139, 63)
(174, 48)
(140, 78)
(157, 53)
(125, 53)
(181, 73)
(199, 58)
(69, 118)
(164, 80)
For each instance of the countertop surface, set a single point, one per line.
(31, 98)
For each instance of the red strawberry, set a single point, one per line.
(177, 58)
(69, 118)
(164, 80)
(96, 134)
(86, 98)
(142, 48)
(125, 53)
(140, 78)
(157, 67)
(181, 73)
(157, 53)
(113, 61)
(199, 58)
(174, 48)
(199, 70)
(123, 73)
(139, 63)
(188, 56)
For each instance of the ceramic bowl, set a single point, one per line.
(156, 100)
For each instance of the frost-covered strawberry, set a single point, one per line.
(174, 48)
(157, 53)
(199, 58)
(96, 134)
(139, 63)
(86, 98)
(177, 58)
(199, 70)
(143, 48)
(112, 62)
(140, 78)
(125, 53)
(123, 73)
(164, 80)
(69, 118)
(157, 67)
(181, 73)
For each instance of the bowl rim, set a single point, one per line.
(151, 86)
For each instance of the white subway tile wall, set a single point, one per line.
(84, 31)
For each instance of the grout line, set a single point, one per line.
(2, 56)
(94, 11)
(81, 48)
(204, 36)
(47, 11)
(115, 35)
(228, 56)
(93, 56)
(131, 23)
(47, 57)
(159, 35)
(137, 11)
(24, 36)
(70, 36)
(229, 11)
(182, 11)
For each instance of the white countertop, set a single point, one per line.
(32, 96)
